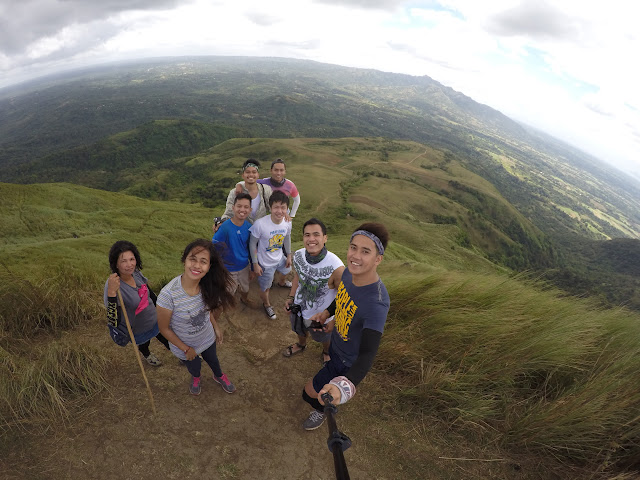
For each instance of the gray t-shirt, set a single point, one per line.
(189, 318)
(140, 309)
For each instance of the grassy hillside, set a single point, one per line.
(444, 189)
(485, 357)
(337, 174)
(117, 162)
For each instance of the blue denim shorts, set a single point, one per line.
(266, 279)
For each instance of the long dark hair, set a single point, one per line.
(213, 285)
(119, 248)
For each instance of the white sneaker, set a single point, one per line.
(270, 312)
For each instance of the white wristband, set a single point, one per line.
(346, 387)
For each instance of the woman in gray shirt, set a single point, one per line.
(139, 301)
(186, 307)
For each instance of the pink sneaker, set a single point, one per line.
(225, 383)
(194, 388)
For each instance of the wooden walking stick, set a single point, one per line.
(135, 349)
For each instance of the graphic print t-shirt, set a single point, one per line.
(270, 240)
(313, 293)
(189, 317)
(357, 308)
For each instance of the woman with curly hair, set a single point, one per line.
(139, 301)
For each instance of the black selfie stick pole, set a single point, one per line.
(337, 442)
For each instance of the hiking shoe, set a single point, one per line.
(153, 360)
(225, 383)
(270, 312)
(194, 389)
(314, 421)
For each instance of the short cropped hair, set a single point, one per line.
(315, 221)
(242, 196)
(278, 196)
(278, 160)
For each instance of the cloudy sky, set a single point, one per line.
(567, 67)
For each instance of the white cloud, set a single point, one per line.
(566, 67)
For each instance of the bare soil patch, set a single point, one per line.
(254, 433)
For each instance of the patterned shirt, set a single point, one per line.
(189, 317)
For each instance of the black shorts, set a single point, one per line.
(333, 368)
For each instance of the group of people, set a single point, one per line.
(345, 309)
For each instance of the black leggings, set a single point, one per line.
(144, 347)
(209, 356)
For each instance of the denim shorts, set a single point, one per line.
(266, 279)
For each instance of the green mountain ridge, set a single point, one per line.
(159, 127)
(283, 98)
(102, 164)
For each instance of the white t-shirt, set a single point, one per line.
(270, 240)
(255, 205)
(313, 293)
(189, 318)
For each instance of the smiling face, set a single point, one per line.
(278, 209)
(278, 171)
(241, 209)
(197, 263)
(126, 263)
(250, 175)
(313, 239)
(363, 258)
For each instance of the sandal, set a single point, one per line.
(322, 355)
(289, 352)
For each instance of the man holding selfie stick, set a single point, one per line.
(360, 309)
(317, 273)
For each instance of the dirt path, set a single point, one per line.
(418, 156)
(408, 163)
(254, 433)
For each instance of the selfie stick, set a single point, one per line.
(135, 349)
(337, 442)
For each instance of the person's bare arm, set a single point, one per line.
(164, 319)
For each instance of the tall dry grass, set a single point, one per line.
(535, 371)
(44, 386)
(42, 372)
(62, 301)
